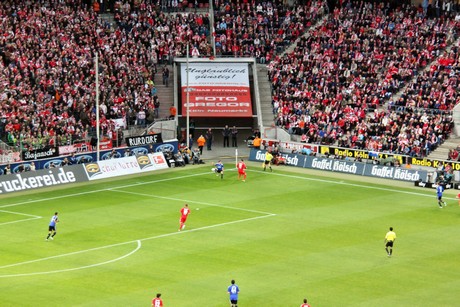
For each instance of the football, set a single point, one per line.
(213, 169)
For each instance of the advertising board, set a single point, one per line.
(347, 167)
(216, 89)
(42, 178)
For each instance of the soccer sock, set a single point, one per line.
(221, 176)
(48, 236)
(53, 234)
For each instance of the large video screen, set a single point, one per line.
(216, 89)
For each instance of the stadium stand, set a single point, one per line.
(261, 29)
(338, 85)
(327, 88)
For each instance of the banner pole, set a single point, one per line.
(236, 156)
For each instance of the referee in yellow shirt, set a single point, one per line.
(390, 238)
(268, 161)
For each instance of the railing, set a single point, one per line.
(6, 153)
(428, 111)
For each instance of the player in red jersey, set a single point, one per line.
(184, 214)
(304, 303)
(241, 166)
(157, 302)
(458, 197)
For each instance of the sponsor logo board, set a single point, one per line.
(216, 89)
(290, 159)
(396, 173)
(112, 168)
(42, 178)
(40, 154)
(144, 140)
(334, 165)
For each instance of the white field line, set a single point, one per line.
(118, 244)
(197, 229)
(192, 202)
(100, 190)
(354, 185)
(78, 268)
(193, 175)
(19, 221)
(18, 213)
(31, 217)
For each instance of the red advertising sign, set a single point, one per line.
(216, 90)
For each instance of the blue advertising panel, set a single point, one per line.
(395, 173)
(333, 165)
(290, 159)
(88, 157)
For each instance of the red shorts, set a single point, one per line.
(183, 219)
(241, 172)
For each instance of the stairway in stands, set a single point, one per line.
(265, 94)
(442, 152)
(165, 93)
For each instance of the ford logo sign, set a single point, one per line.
(108, 155)
(140, 151)
(16, 169)
(27, 167)
(84, 159)
(52, 163)
(165, 148)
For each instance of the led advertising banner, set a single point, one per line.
(216, 89)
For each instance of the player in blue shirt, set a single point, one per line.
(219, 169)
(439, 191)
(233, 290)
(52, 227)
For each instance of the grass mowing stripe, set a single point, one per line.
(193, 175)
(193, 201)
(19, 221)
(352, 184)
(128, 242)
(326, 236)
(100, 190)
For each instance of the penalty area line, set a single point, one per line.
(19, 221)
(193, 202)
(24, 214)
(100, 190)
(118, 244)
(31, 217)
(139, 244)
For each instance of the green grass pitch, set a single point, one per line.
(282, 236)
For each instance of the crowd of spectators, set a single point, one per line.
(261, 29)
(47, 68)
(427, 104)
(324, 90)
(352, 64)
